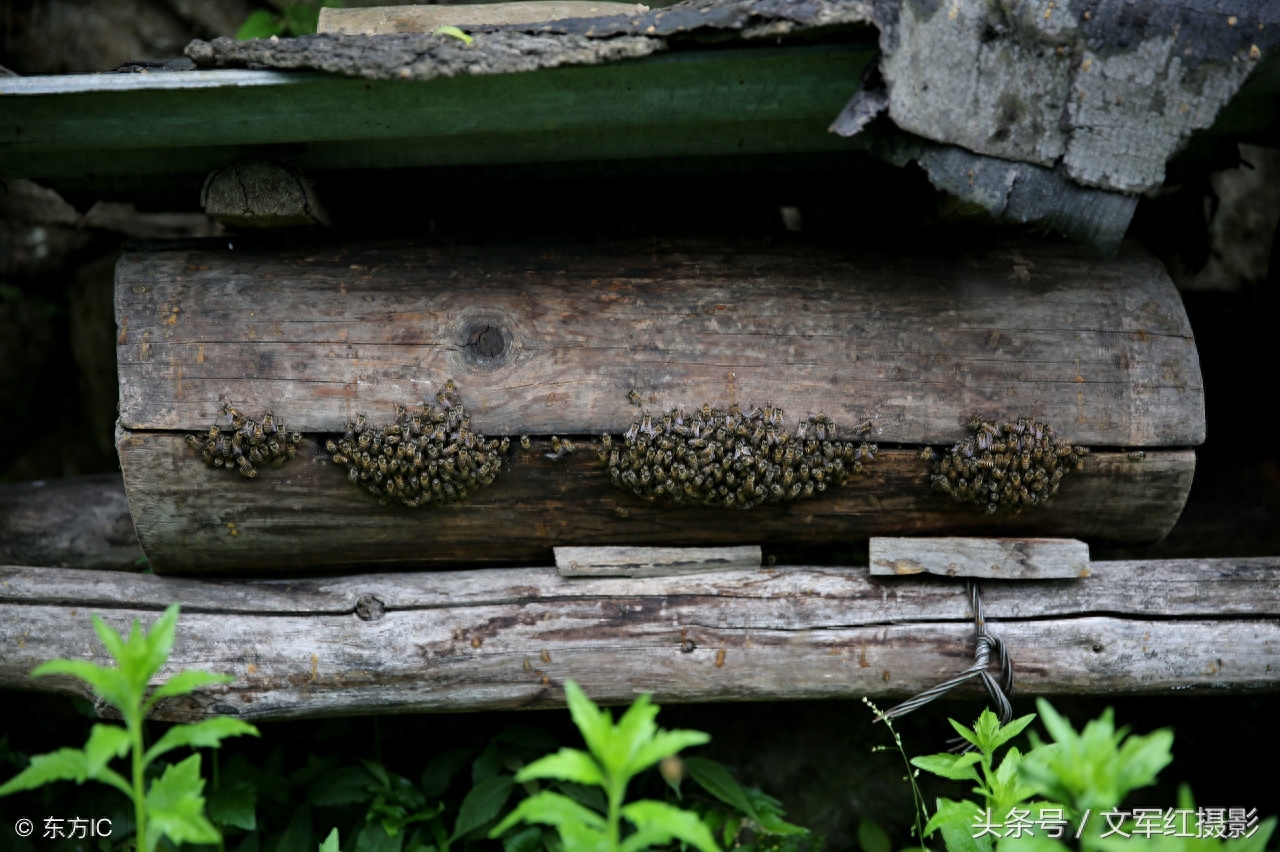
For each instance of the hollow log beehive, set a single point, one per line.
(549, 340)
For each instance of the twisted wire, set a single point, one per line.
(986, 645)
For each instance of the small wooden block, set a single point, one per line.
(989, 558)
(653, 561)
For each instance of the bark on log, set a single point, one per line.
(509, 638)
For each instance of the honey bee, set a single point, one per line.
(633, 397)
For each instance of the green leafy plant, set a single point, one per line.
(172, 805)
(295, 19)
(1033, 801)
(615, 754)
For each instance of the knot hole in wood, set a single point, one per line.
(485, 343)
(369, 608)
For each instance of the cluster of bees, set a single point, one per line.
(1004, 466)
(731, 459)
(427, 455)
(249, 445)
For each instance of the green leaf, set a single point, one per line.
(548, 808)
(106, 743)
(770, 823)
(662, 744)
(568, 764)
(595, 725)
(872, 838)
(956, 820)
(65, 764)
(110, 683)
(297, 834)
(175, 806)
(373, 837)
(957, 767)
(260, 24)
(207, 733)
(330, 843)
(636, 728)
(969, 734)
(301, 18)
(346, 786)
(453, 32)
(378, 771)
(717, 781)
(184, 683)
(442, 769)
(590, 797)
(481, 804)
(529, 840)
(234, 804)
(659, 823)
(156, 645)
(111, 640)
(1011, 730)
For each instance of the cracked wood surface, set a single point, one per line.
(307, 517)
(549, 339)
(509, 638)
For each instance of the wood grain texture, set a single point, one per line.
(306, 517)
(653, 561)
(1101, 349)
(990, 558)
(509, 638)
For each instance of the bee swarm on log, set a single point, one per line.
(732, 459)
(1004, 466)
(427, 455)
(250, 444)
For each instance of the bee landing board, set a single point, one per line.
(550, 340)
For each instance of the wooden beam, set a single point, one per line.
(700, 103)
(509, 638)
(306, 517)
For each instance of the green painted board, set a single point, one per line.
(700, 103)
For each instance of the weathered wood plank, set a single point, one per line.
(550, 341)
(78, 522)
(653, 561)
(990, 558)
(306, 516)
(509, 638)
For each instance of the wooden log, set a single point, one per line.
(306, 517)
(509, 638)
(990, 558)
(78, 522)
(549, 340)
(653, 561)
